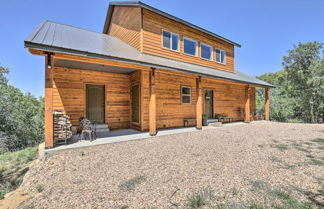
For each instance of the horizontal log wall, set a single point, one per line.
(152, 42)
(126, 25)
(229, 98)
(69, 94)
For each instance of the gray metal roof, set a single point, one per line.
(55, 37)
(150, 8)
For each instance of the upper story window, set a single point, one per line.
(206, 51)
(170, 40)
(190, 46)
(185, 95)
(220, 56)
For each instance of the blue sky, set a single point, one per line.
(266, 29)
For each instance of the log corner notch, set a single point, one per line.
(152, 104)
(247, 104)
(199, 104)
(49, 140)
(267, 104)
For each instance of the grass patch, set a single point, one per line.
(275, 159)
(10, 164)
(302, 149)
(281, 147)
(10, 161)
(318, 140)
(131, 183)
(320, 147)
(200, 198)
(39, 188)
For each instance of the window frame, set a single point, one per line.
(185, 94)
(196, 54)
(171, 33)
(220, 50)
(211, 51)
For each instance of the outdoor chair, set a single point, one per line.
(87, 129)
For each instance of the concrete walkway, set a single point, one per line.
(127, 135)
(120, 136)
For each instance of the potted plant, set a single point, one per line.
(204, 120)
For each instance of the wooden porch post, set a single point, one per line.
(152, 105)
(199, 104)
(247, 104)
(49, 141)
(266, 108)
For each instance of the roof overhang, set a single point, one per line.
(64, 39)
(136, 62)
(157, 11)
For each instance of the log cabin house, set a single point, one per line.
(147, 70)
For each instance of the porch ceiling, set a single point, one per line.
(91, 66)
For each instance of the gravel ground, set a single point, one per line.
(234, 166)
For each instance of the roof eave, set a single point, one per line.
(31, 45)
(150, 8)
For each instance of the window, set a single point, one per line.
(185, 95)
(206, 51)
(170, 40)
(220, 56)
(190, 46)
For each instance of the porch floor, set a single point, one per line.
(123, 135)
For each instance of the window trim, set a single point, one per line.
(196, 55)
(220, 55)
(211, 51)
(178, 50)
(185, 94)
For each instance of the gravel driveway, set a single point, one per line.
(236, 166)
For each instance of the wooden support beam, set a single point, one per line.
(247, 104)
(152, 104)
(199, 104)
(267, 104)
(49, 141)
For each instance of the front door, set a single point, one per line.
(209, 103)
(135, 93)
(95, 104)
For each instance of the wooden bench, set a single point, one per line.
(227, 119)
(187, 121)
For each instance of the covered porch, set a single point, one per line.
(138, 97)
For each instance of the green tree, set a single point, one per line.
(3, 72)
(281, 105)
(303, 66)
(21, 116)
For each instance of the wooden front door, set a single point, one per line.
(95, 104)
(209, 103)
(135, 103)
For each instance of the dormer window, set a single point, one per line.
(220, 56)
(189, 46)
(170, 40)
(206, 51)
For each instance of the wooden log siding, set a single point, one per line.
(152, 42)
(126, 25)
(229, 98)
(69, 94)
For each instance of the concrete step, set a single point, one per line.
(209, 121)
(101, 126)
(102, 130)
